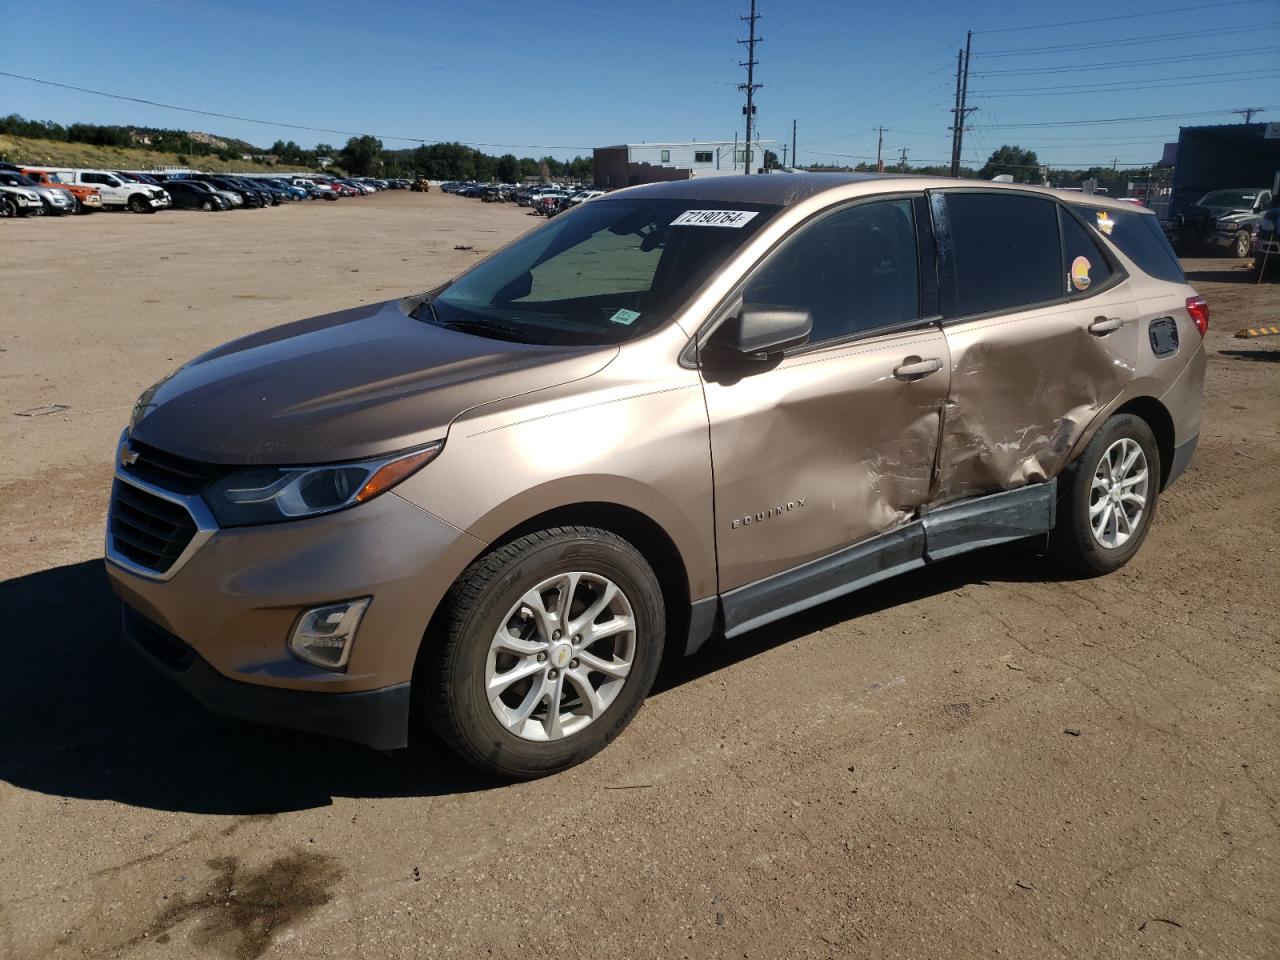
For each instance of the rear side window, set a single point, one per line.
(1086, 267)
(1005, 251)
(1139, 237)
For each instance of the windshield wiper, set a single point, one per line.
(492, 329)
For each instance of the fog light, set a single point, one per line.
(324, 635)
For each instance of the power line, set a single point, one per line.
(1199, 8)
(278, 123)
(1081, 123)
(1128, 42)
(1099, 87)
(1094, 67)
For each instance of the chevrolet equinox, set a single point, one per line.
(681, 410)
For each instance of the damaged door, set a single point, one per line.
(1041, 333)
(830, 443)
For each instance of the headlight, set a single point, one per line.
(257, 495)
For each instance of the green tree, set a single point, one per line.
(362, 156)
(1020, 164)
(507, 168)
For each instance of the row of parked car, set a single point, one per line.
(545, 199)
(54, 191)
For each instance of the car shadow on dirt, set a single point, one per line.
(1263, 356)
(81, 715)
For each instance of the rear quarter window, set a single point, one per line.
(1139, 237)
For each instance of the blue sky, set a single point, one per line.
(561, 76)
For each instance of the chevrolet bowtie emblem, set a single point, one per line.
(128, 456)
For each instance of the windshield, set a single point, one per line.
(605, 272)
(1229, 198)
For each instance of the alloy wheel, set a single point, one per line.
(1118, 494)
(561, 656)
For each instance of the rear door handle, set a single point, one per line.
(1101, 326)
(913, 368)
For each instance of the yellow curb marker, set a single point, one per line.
(1265, 331)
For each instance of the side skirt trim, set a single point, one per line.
(954, 529)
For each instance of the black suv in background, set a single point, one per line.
(251, 197)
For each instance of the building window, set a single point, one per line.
(702, 156)
(666, 156)
(740, 156)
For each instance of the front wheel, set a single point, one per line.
(549, 645)
(138, 204)
(1109, 499)
(8, 207)
(1242, 244)
(206, 205)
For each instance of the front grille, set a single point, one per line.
(172, 472)
(149, 530)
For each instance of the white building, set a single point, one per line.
(633, 163)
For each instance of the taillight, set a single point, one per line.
(1198, 307)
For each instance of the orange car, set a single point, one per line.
(88, 199)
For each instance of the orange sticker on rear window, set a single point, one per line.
(1080, 273)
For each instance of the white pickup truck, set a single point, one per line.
(118, 192)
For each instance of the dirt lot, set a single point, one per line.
(895, 774)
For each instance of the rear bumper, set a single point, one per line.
(376, 718)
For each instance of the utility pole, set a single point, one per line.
(794, 158)
(879, 149)
(961, 109)
(750, 87)
(784, 155)
(1248, 112)
(902, 161)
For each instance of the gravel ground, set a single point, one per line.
(985, 758)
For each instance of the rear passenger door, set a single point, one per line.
(1041, 332)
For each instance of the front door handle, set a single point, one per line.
(913, 368)
(1101, 326)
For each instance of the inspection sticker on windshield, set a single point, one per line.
(714, 218)
(626, 316)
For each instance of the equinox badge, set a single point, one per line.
(764, 515)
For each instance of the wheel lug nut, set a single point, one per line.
(555, 635)
(553, 674)
(577, 640)
(542, 657)
(573, 664)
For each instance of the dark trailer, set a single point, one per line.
(1231, 156)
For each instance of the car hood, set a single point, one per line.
(347, 385)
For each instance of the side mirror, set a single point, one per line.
(766, 328)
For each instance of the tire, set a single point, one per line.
(8, 207)
(138, 204)
(207, 205)
(1082, 503)
(460, 660)
(1241, 245)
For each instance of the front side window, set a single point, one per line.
(605, 272)
(1004, 250)
(854, 270)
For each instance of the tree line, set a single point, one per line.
(105, 135)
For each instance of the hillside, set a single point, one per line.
(55, 153)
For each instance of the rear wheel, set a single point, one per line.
(1109, 500)
(549, 646)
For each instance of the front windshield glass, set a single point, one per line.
(604, 272)
(1229, 198)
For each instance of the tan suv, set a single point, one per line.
(681, 410)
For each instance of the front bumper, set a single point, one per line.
(375, 718)
(1266, 244)
(235, 598)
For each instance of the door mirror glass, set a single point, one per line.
(767, 328)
